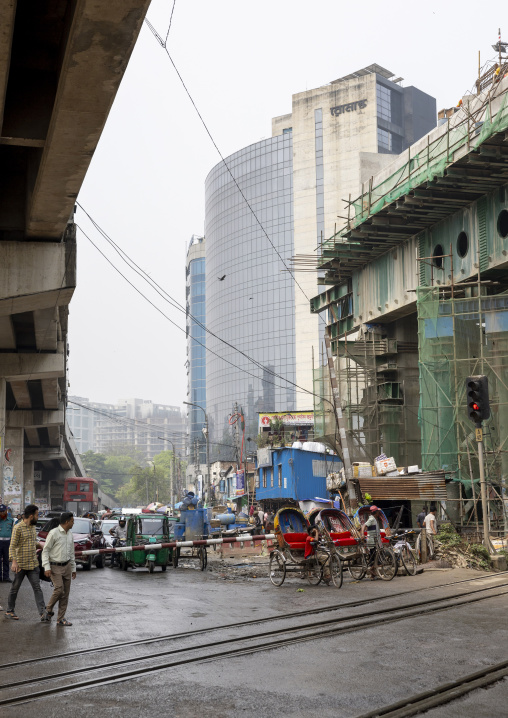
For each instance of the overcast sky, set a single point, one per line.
(241, 62)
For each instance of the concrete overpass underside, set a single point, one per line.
(61, 63)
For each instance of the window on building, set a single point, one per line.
(286, 130)
(384, 103)
(389, 141)
(264, 478)
(279, 475)
(256, 480)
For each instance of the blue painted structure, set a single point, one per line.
(295, 474)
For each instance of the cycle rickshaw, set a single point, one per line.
(291, 530)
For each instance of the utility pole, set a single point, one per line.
(341, 425)
(208, 482)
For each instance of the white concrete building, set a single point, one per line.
(343, 133)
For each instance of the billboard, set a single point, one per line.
(293, 418)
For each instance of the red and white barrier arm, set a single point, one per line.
(177, 544)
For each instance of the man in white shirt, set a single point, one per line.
(59, 564)
(430, 523)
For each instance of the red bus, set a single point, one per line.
(81, 494)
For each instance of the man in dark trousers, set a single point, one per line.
(23, 554)
(59, 563)
(6, 526)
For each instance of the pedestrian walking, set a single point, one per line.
(421, 517)
(23, 554)
(59, 563)
(6, 526)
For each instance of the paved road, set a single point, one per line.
(339, 676)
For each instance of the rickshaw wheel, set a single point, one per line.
(408, 560)
(203, 559)
(313, 571)
(277, 568)
(358, 568)
(336, 570)
(176, 556)
(386, 564)
(151, 566)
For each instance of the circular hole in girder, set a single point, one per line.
(502, 223)
(462, 244)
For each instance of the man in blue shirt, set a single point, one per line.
(6, 524)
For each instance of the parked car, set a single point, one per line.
(87, 536)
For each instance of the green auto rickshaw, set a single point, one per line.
(146, 529)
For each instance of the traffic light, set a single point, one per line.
(477, 394)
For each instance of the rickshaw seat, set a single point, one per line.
(342, 538)
(296, 541)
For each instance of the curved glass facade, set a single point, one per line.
(250, 296)
(196, 343)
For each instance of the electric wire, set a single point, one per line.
(235, 366)
(263, 230)
(175, 304)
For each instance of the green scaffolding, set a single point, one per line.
(478, 120)
(458, 337)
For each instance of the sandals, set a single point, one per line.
(11, 614)
(63, 622)
(45, 617)
(50, 613)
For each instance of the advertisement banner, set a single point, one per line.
(294, 418)
(240, 483)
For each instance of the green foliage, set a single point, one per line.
(448, 536)
(262, 440)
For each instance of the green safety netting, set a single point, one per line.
(458, 338)
(432, 159)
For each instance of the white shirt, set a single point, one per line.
(427, 523)
(59, 548)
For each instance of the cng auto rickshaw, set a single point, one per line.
(146, 529)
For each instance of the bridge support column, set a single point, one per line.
(13, 470)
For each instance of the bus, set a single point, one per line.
(81, 494)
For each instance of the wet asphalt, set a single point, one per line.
(331, 676)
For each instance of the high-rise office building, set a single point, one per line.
(287, 195)
(196, 347)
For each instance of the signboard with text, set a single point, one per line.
(293, 418)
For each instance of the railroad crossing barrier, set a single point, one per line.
(177, 544)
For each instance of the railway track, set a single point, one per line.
(177, 654)
(440, 695)
(252, 622)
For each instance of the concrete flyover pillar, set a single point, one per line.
(13, 470)
(3, 385)
(28, 483)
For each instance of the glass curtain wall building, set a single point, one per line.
(196, 343)
(250, 296)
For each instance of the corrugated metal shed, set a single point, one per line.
(428, 486)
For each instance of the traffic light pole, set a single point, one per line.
(483, 488)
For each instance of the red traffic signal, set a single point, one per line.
(477, 395)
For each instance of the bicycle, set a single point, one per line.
(404, 553)
(382, 560)
(315, 567)
(430, 546)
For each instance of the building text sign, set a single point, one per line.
(348, 107)
(295, 418)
